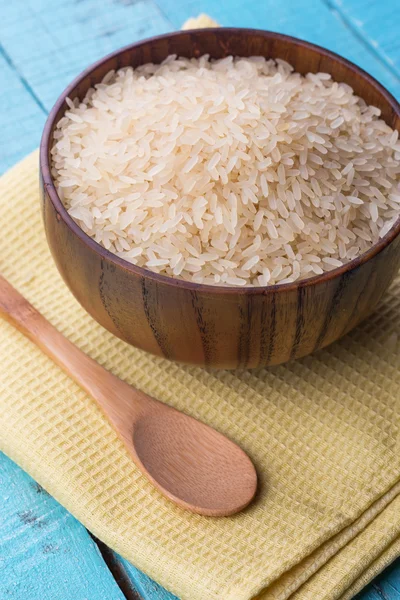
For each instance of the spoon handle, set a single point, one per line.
(108, 391)
(189, 462)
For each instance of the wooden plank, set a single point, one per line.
(72, 35)
(146, 587)
(385, 587)
(59, 40)
(45, 554)
(21, 117)
(135, 584)
(376, 24)
(313, 21)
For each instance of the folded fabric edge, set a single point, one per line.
(287, 584)
(348, 565)
(384, 560)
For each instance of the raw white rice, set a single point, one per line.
(229, 172)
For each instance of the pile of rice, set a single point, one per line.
(230, 172)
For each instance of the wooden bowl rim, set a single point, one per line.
(49, 186)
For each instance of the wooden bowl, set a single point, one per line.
(224, 327)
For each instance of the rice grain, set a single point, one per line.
(236, 172)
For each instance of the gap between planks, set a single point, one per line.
(22, 79)
(335, 7)
(117, 570)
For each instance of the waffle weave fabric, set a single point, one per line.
(323, 433)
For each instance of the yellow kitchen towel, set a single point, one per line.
(323, 432)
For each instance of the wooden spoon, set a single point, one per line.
(190, 463)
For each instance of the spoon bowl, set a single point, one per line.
(189, 462)
(193, 464)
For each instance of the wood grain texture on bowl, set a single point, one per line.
(209, 325)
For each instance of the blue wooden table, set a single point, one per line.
(44, 552)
